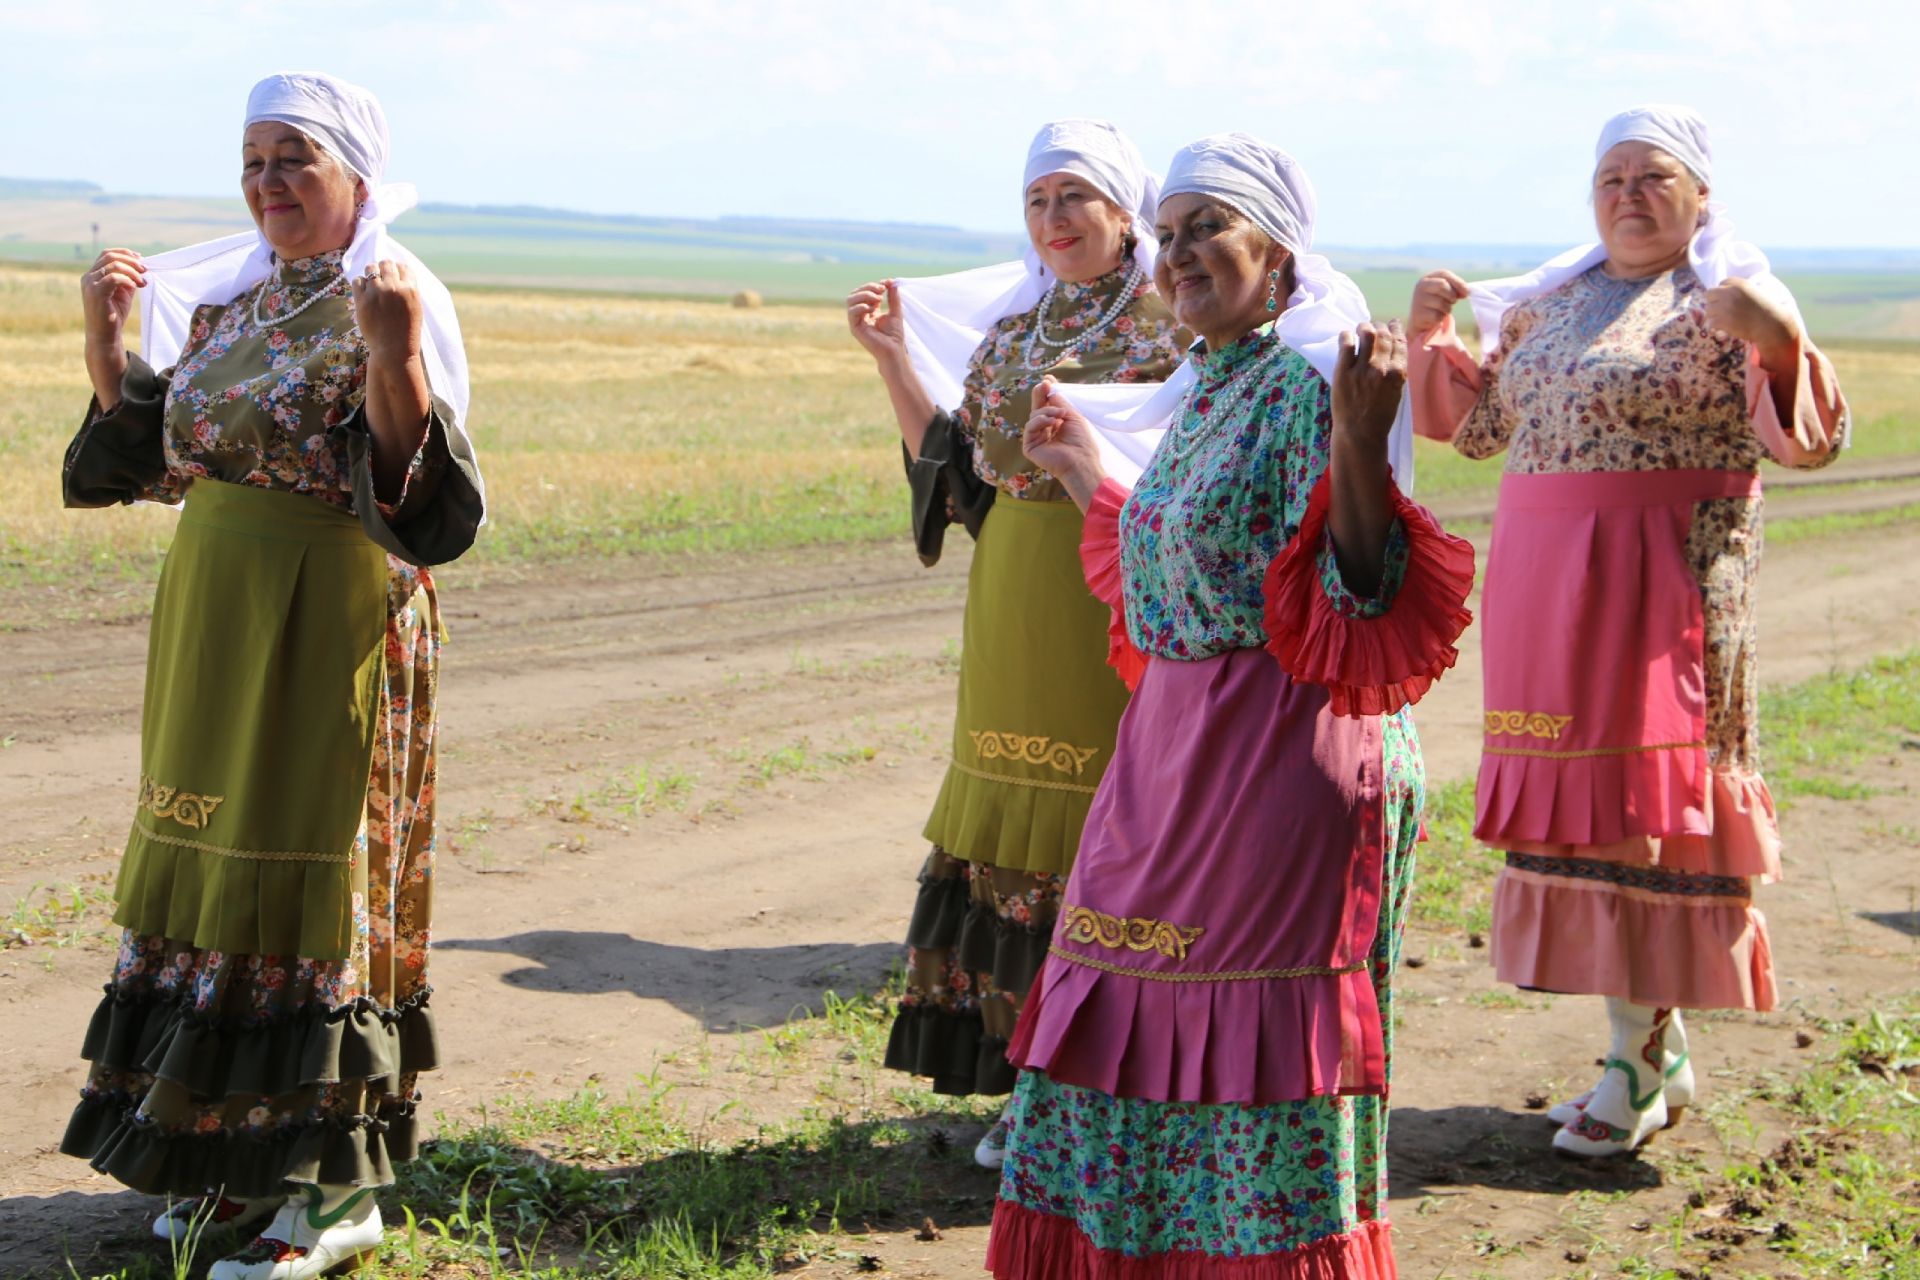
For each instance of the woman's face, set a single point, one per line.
(1077, 231)
(1646, 206)
(302, 198)
(1213, 266)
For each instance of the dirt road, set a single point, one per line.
(679, 804)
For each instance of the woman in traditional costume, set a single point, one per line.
(1207, 1047)
(1636, 385)
(304, 392)
(1037, 704)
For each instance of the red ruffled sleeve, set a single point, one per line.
(1371, 666)
(1100, 561)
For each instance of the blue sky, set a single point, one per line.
(1441, 122)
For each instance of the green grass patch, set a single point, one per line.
(1813, 733)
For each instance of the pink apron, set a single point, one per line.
(1595, 707)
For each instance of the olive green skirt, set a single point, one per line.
(1038, 704)
(264, 672)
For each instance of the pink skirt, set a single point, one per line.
(1630, 858)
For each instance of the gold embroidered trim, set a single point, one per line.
(1135, 933)
(188, 808)
(1535, 754)
(1229, 975)
(223, 851)
(1041, 783)
(1061, 757)
(1527, 724)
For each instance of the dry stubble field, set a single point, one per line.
(696, 705)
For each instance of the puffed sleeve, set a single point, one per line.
(1801, 418)
(1456, 398)
(120, 456)
(437, 513)
(1100, 561)
(1373, 656)
(944, 485)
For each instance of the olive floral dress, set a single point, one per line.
(214, 1067)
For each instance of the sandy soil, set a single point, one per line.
(794, 713)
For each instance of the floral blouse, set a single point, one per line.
(275, 403)
(1604, 374)
(1144, 344)
(1225, 492)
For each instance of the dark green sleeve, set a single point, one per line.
(439, 511)
(945, 487)
(121, 456)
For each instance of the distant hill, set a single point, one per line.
(1850, 292)
(44, 189)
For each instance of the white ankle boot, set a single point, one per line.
(317, 1230)
(211, 1213)
(1630, 1103)
(1678, 1089)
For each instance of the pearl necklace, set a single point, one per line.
(332, 286)
(1060, 348)
(1179, 443)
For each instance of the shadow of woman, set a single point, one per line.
(726, 988)
(1430, 1150)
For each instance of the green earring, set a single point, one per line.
(1273, 290)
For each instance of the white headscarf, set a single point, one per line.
(947, 317)
(347, 121)
(1714, 253)
(1271, 189)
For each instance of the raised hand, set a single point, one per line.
(106, 300)
(106, 293)
(1738, 308)
(873, 315)
(1059, 439)
(1434, 297)
(388, 309)
(1367, 382)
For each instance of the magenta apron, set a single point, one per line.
(1214, 939)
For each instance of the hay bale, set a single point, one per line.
(748, 299)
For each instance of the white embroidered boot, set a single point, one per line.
(317, 1230)
(1678, 1090)
(1629, 1105)
(211, 1213)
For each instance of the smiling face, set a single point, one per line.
(1646, 206)
(303, 199)
(1078, 232)
(1213, 267)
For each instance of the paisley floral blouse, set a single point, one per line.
(1224, 493)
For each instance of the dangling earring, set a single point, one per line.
(1273, 289)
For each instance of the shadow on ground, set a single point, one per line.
(726, 988)
(1431, 1151)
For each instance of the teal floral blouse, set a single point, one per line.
(1225, 492)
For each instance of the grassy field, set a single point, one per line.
(614, 425)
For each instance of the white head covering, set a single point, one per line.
(1713, 253)
(1271, 189)
(947, 317)
(347, 121)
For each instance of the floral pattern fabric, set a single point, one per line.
(256, 404)
(1224, 493)
(1144, 344)
(1226, 1181)
(1624, 375)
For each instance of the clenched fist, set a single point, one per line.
(387, 307)
(1433, 301)
(1738, 308)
